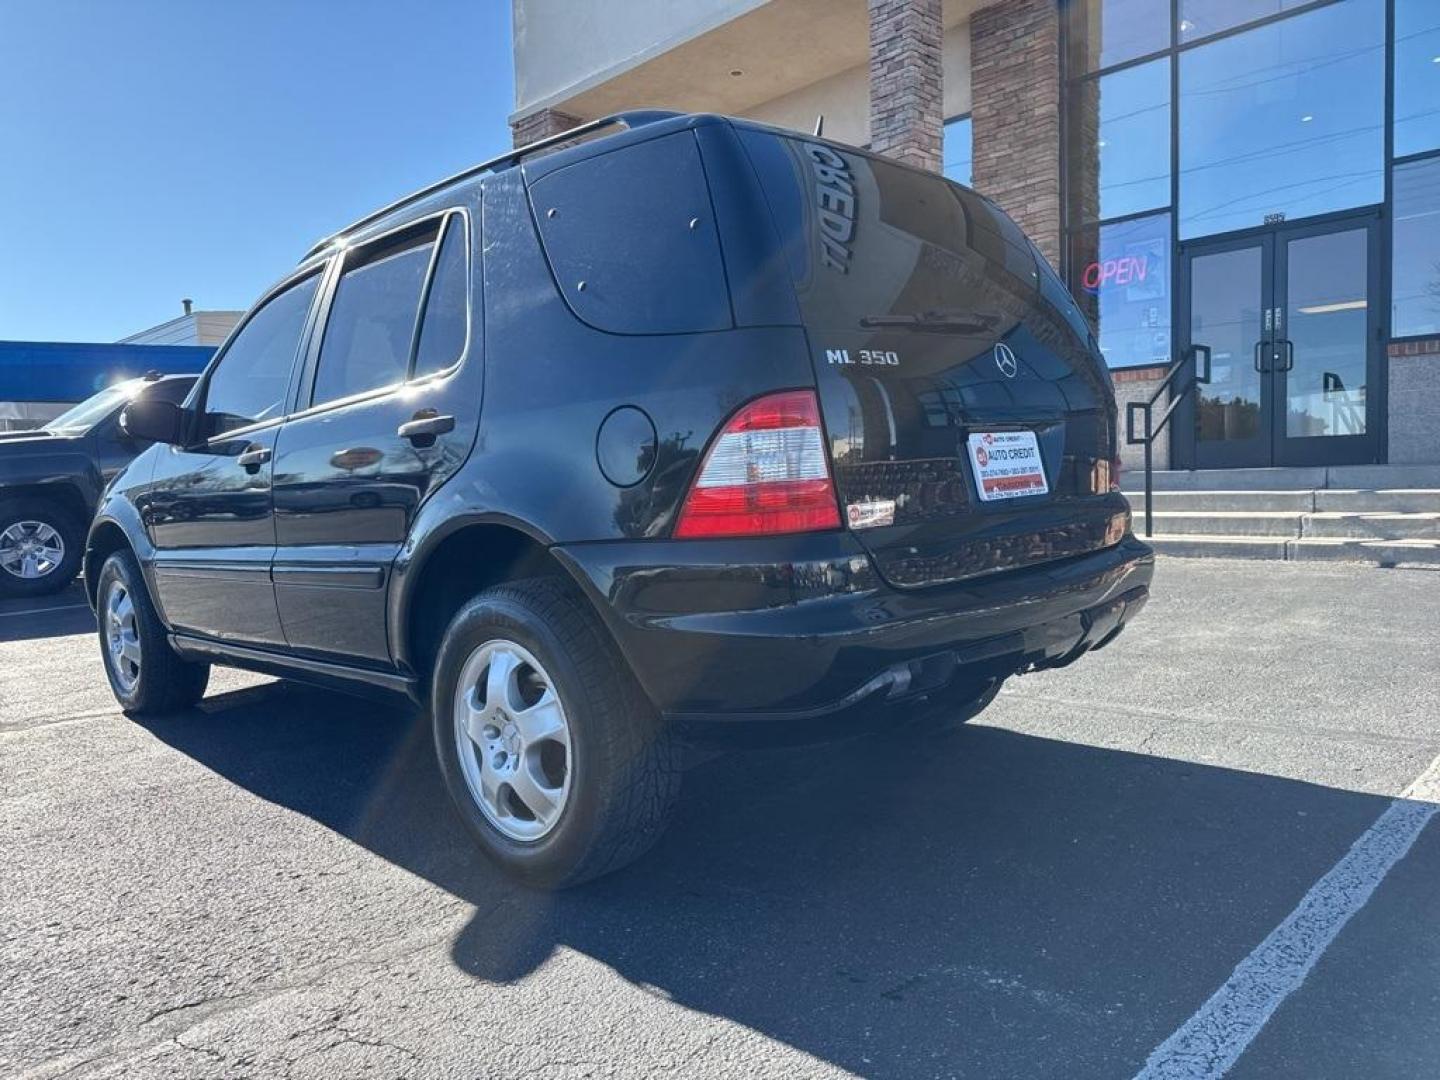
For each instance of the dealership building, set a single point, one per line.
(1252, 183)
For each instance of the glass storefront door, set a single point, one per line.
(1289, 317)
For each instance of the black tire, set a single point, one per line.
(166, 681)
(950, 709)
(67, 527)
(626, 769)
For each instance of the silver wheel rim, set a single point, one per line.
(122, 636)
(31, 549)
(513, 740)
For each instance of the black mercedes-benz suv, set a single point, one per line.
(616, 441)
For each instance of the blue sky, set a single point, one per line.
(156, 149)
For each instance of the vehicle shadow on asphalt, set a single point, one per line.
(983, 903)
(58, 615)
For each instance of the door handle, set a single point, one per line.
(422, 428)
(1202, 373)
(1289, 354)
(1259, 360)
(253, 458)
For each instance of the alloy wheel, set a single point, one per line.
(122, 636)
(30, 550)
(513, 740)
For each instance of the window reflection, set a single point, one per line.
(1226, 296)
(1284, 119)
(1326, 338)
(1417, 76)
(1415, 286)
(1108, 32)
(1121, 280)
(959, 150)
(1201, 18)
(1120, 142)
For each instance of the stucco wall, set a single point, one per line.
(845, 98)
(559, 44)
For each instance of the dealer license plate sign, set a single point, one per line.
(1007, 465)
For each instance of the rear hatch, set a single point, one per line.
(970, 416)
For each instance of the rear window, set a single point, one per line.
(631, 238)
(868, 241)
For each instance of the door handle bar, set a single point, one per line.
(422, 429)
(253, 458)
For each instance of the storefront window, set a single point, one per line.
(959, 150)
(1417, 76)
(1121, 280)
(1108, 32)
(1415, 288)
(1284, 121)
(1120, 142)
(1201, 18)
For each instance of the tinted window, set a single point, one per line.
(1416, 287)
(1201, 18)
(372, 321)
(442, 331)
(1108, 32)
(250, 382)
(631, 237)
(1121, 277)
(1287, 118)
(1417, 76)
(1120, 142)
(959, 150)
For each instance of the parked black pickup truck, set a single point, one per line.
(51, 479)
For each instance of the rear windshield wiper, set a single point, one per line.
(934, 322)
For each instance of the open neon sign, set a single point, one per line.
(1126, 270)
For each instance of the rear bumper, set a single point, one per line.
(800, 627)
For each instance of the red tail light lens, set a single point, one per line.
(765, 473)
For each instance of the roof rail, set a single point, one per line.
(631, 119)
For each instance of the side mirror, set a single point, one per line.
(153, 421)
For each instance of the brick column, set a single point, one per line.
(541, 125)
(1015, 89)
(906, 110)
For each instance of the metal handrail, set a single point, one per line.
(1153, 429)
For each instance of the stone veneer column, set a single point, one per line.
(541, 125)
(1015, 106)
(906, 105)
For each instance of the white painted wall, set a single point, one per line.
(562, 46)
(844, 98)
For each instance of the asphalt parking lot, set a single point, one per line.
(1144, 858)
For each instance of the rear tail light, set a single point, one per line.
(765, 473)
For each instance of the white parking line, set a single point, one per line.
(43, 610)
(1212, 1040)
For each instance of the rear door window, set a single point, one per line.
(371, 325)
(445, 324)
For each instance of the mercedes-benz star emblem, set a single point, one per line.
(1005, 360)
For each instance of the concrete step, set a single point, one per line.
(1294, 478)
(1388, 501)
(1407, 553)
(1283, 524)
(1219, 547)
(1379, 552)
(1252, 501)
(1369, 526)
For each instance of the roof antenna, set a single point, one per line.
(819, 124)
